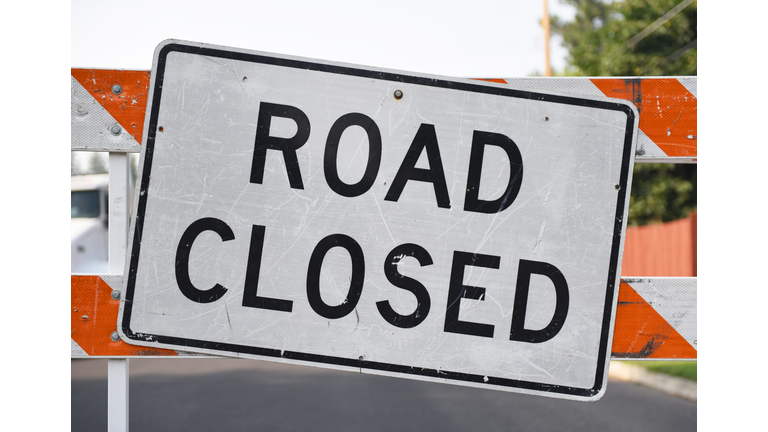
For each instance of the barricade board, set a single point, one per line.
(655, 320)
(667, 109)
(378, 221)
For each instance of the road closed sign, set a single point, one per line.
(378, 221)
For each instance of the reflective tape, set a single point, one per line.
(667, 111)
(655, 319)
(107, 109)
(94, 319)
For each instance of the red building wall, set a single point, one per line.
(666, 249)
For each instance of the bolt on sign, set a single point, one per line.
(377, 221)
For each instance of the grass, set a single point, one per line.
(682, 369)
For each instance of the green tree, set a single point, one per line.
(661, 193)
(602, 38)
(638, 38)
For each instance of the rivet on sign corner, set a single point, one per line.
(117, 89)
(116, 294)
(617, 187)
(398, 94)
(114, 336)
(116, 130)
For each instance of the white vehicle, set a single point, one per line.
(90, 236)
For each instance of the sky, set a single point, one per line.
(477, 39)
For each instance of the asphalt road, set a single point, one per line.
(237, 395)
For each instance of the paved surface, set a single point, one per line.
(232, 395)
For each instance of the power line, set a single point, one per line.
(680, 52)
(667, 16)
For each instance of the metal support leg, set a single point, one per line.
(117, 395)
(118, 211)
(117, 381)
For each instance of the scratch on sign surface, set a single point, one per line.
(541, 234)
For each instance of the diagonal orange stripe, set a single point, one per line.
(128, 107)
(496, 80)
(667, 110)
(94, 318)
(640, 331)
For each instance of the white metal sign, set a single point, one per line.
(377, 221)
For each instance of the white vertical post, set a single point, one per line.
(117, 377)
(117, 395)
(118, 211)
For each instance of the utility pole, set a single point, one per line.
(545, 24)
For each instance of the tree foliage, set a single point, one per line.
(661, 193)
(598, 44)
(598, 39)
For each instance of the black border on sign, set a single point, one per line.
(158, 76)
